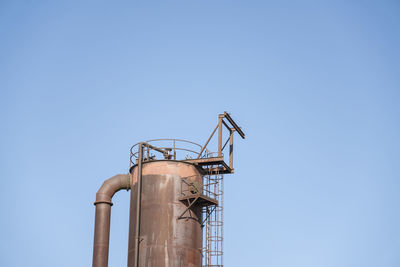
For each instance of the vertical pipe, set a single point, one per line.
(103, 214)
(101, 235)
(220, 135)
(132, 222)
(174, 150)
(138, 205)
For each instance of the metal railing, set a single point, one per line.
(189, 187)
(170, 149)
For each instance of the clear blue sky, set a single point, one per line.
(314, 84)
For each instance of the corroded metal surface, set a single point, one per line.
(102, 220)
(164, 239)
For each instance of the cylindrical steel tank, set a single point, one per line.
(165, 240)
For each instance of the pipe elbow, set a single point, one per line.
(111, 186)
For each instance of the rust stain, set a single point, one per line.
(168, 241)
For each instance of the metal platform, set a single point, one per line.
(198, 200)
(212, 165)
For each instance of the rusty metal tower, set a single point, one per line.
(176, 209)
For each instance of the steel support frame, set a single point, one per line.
(190, 205)
(234, 128)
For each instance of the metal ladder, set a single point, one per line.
(213, 226)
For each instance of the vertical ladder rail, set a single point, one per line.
(213, 232)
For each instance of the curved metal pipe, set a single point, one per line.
(103, 214)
